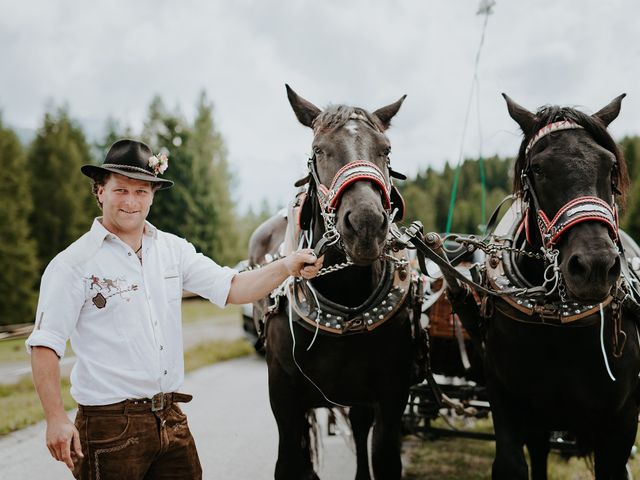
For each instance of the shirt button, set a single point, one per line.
(165, 372)
(161, 347)
(129, 253)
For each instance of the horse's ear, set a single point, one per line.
(385, 114)
(609, 113)
(304, 110)
(521, 115)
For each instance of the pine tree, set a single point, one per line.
(427, 195)
(199, 206)
(63, 204)
(214, 181)
(18, 262)
(187, 209)
(174, 210)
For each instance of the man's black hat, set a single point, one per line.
(132, 159)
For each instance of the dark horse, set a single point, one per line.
(563, 357)
(345, 338)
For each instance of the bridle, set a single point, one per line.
(328, 198)
(531, 300)
(318, 313)
(580, 209)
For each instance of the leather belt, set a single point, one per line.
(159, 402)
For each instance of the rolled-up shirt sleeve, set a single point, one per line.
(61, 299)
(204, 277)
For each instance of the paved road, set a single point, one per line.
(231, 422)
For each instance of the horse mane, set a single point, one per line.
(336, 116)
(594, 126)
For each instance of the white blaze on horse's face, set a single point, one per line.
(352, 128)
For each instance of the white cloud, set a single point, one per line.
(110, 57)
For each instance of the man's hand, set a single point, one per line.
(303, 263)
(63, 441)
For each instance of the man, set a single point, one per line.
(116, 292)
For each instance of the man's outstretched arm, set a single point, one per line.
(252, 285)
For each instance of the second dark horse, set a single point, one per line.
(566, 356)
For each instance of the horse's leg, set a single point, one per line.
(361, 419)
(508, 423)
(386, 441)
(538, 446)
(294, 455)
(613, 446)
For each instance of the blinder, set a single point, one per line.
(305, 212)
(397, 203)
(578, 210)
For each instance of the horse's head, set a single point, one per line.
(570, 172)
(349, 171)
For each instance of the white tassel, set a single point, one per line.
(604, 353)
(293, 354)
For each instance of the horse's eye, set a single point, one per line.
(387, 151)
(537, 169)
(317, 150)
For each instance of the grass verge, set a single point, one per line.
(216, 351)
(197, 309)
(14, 351)
(20, 406)
(193, 310)
(467, 459)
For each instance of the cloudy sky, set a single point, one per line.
(108, 58)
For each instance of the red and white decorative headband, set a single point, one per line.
(550, 128)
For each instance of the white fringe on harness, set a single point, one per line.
(604, 353)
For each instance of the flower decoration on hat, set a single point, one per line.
(159, 163)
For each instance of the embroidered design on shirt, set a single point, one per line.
(111, 288)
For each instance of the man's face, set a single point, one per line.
(125, 204)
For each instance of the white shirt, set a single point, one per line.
(123, 317)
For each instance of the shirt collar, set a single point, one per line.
(98, 233)
(150, 230)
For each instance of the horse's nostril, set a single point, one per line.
(577, 267)
(347, 222)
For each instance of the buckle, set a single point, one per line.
(157, 402)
